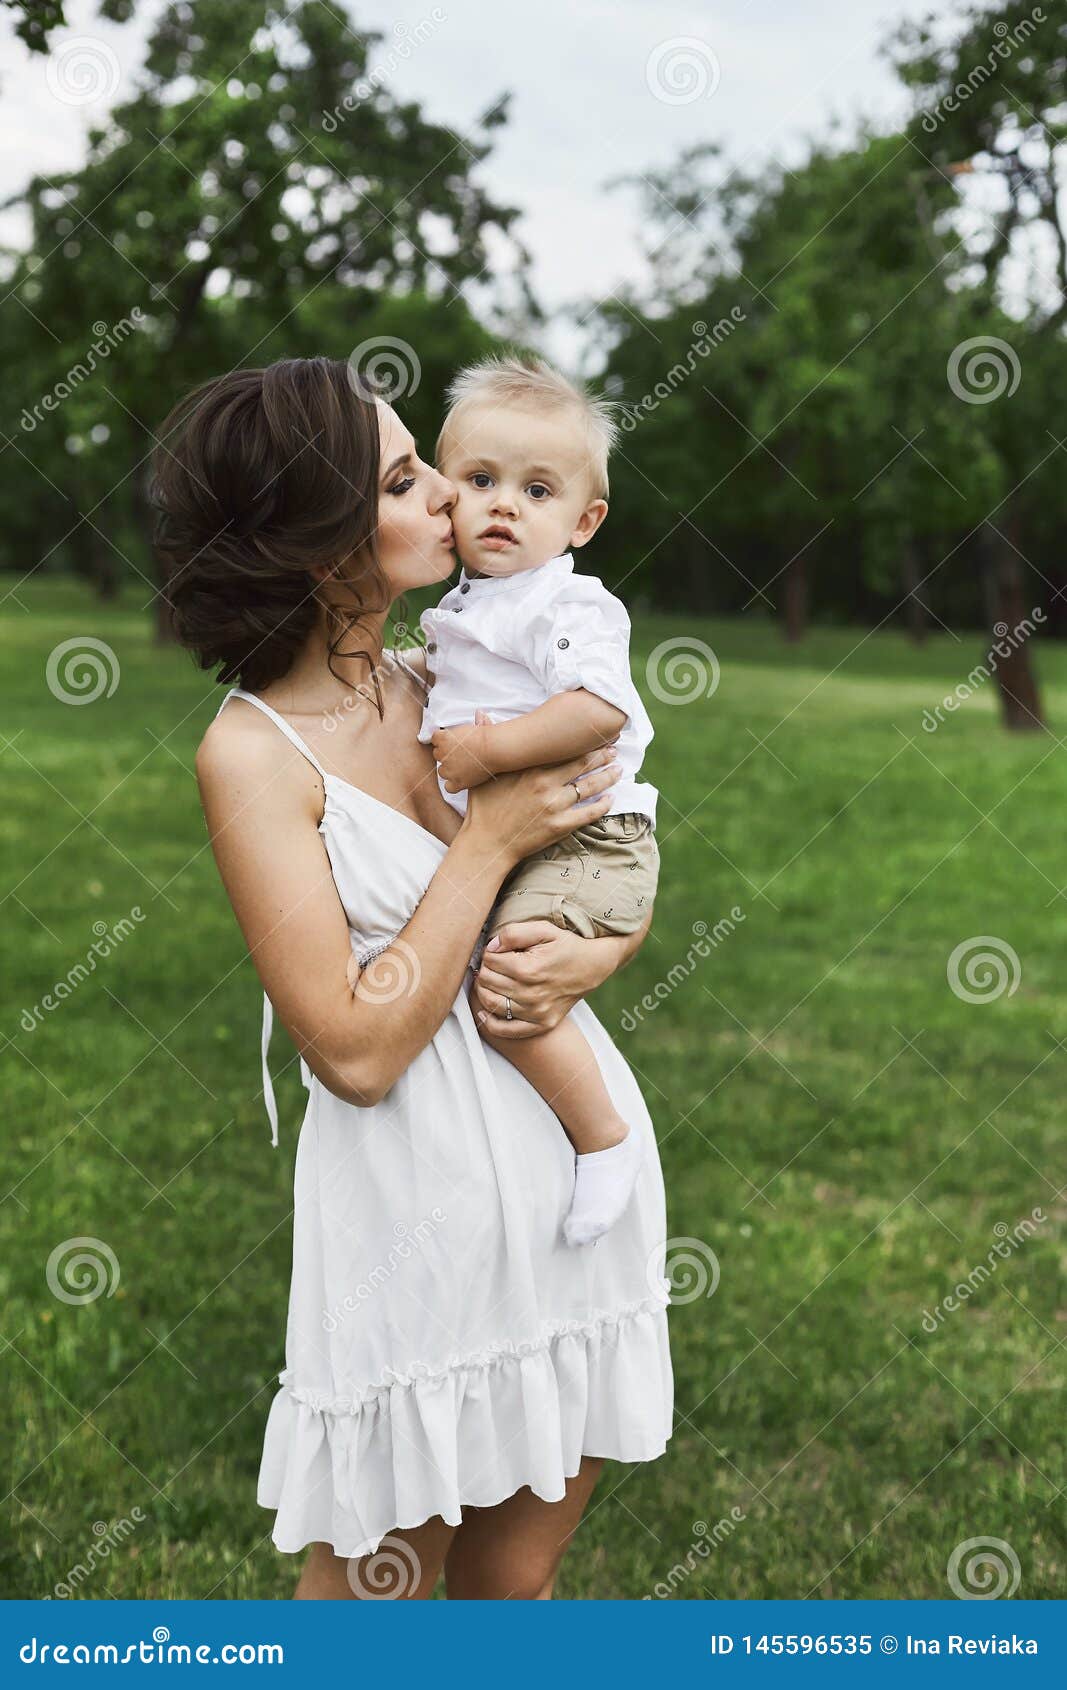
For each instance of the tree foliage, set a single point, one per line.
(261, 195)
(838, 381)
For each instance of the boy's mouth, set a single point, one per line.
(498, 537)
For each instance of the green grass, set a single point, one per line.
(840, 1129)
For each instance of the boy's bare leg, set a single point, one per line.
(560, 1065)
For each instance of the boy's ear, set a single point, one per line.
(589, 521)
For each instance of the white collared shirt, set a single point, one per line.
(509, 643)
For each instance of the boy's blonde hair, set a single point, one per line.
(531, 381)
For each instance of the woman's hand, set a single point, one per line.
(524, 811)
(544, 970)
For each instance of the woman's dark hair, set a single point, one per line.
(259, 476)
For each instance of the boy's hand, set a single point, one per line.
(463, 754)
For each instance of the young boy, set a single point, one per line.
(546, 653)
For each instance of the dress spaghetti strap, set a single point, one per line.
(414, 673)
(280, 722)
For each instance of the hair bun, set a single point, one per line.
(260, 476)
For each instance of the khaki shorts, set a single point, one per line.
(599, 880)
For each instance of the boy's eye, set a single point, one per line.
(538, 490)
(481, 479)
(404, 486)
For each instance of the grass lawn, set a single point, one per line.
(847, 1135)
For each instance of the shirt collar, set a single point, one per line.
(484, 586)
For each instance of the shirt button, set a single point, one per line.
(466, 587)
(456, 608)
(563, 644)
(431, 645)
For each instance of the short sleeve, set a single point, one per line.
(583, 643)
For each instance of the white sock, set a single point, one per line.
(603, 1185)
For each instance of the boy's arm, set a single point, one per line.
(566, 725)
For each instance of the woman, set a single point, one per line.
(456, 1374)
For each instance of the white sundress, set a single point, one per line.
(444, 1345)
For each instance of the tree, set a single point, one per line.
(989, 116)
(261, 180)
(832, 322)
(37, 20)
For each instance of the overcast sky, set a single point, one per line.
(600, 87)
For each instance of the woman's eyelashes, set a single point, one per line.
(403, 486)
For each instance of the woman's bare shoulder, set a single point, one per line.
(236, 733)
(242, 747)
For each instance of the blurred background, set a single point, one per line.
(819, 257)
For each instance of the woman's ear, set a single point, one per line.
(589, 521)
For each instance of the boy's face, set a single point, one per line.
(523, 485)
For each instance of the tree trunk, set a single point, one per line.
(145, 519)
(795, 599)
(92, 558)
(915, 610)
(1019, 697)
(165, 634)
(79, 543)
(696, 576)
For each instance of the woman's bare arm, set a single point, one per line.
(263, 802)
